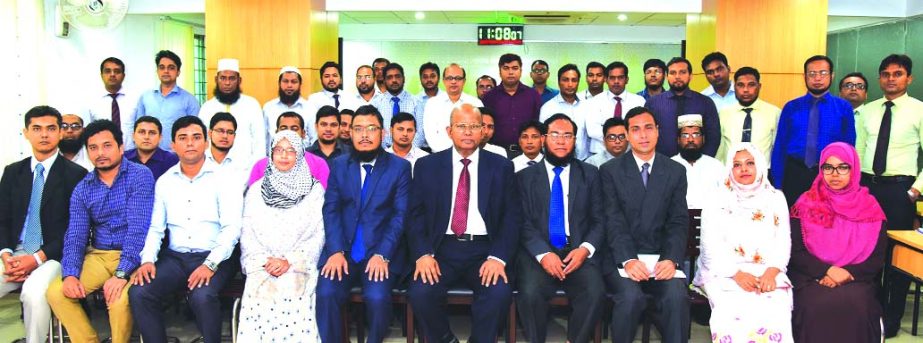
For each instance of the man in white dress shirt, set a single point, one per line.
(379, 64)
(365, 86)
(595, 78)
(331, 81)
(403, 128)
(289, 100)
(531, 141)
(567, 101)
(614, 103)
(703, 173)
(251, 127)
(115, 100)
(718, 73)
(429, 80)
(439, 108)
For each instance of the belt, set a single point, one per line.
(888, 179)
(468, 238)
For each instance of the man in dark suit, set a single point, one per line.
(34, 201)
(562, 226)
(364, 210)
(463, 231)
(645, 204)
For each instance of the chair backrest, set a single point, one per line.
(693, 237)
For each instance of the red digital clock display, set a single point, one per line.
(500, 35)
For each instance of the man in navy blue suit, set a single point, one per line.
(364, 210)
(463, 231)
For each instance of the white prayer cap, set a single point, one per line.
(228, 64)
(689, 120)
(289, 69)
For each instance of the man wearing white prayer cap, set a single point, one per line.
(703, 172)
(250, 136)
(289, 100)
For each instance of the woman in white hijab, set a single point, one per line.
(281, 241)
(745, 250)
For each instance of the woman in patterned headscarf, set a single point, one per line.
(281, 241)
(745, 250)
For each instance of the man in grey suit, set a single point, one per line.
(559, 246)
(645, 204)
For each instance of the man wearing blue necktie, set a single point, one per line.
(397, 100)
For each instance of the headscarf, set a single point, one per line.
(839, 227)
(284, 189)
(754, 195)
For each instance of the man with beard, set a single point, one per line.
(717, 71)
(364, 209)
(854, 88)
(398, 100)
(749, 120)
(168, 102)
(116, 104)
(147, 135)
(70, 146)
(485, 84)
(531, 140)
(614, 103)
(558, 246)
(616, 136)
(365, 86)
(539, 76)
(654, 75)
(429, 80)
(403, 128)
(514, 103)
(222, 129)
(567, 102)
(331, 80)
(595, 77)
(703, 173)
(289, 100)
(806, 126)
(327, 125)
(380, 64)
(346, 120)
(438, 109)
(489, 127)
(251, 143)
(680, 100)
(112, 205)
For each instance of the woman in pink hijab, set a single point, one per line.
(838, 248)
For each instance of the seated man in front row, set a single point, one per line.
(562, 227)
(644, 196)
(202, 208)
(463, 230)
(113, 204)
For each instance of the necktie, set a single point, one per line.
(531, 163)
(618, 108)
(644, 173)
(884, 137)
(116, 113)
(32, 240)
(748, 125)
(396, 108)
(336, 101)
(460, 211)
(556, 212)
(358, 249)
(810, 148)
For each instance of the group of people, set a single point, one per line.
(520, 188)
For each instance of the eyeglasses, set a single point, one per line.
(822, 73)
(686, 135)
(841, 169)
(653, 72)
(224, 132)
(454, 78)
(465, 127)
(854, 86)
(363, 129)
(539, 70)
(556, 136)
(281, 151)
(364, 77)
(74, 126)
(615, 138)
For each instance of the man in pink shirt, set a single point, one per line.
(293, 121)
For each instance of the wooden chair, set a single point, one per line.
(464, 296)
(560, 299)
(398, 297)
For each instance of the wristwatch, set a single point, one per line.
(121, 275)
(210, 265)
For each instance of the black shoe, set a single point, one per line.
(21, 340)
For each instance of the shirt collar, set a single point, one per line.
(560, 100)
(329, 94)
(550, 166)
(122, 168)
(641, 162)
(456, 157)
(47, 163)
(298, 103)
(209, 166)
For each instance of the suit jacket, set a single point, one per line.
(652, 220)
(431, 201)
(584, 208)
(16, 192)
(382, 211)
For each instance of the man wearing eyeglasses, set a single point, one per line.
(222, 130)
(889, 134)
(717, 71)
(807, 125)
(327, 125)
(750, 119)
(616, 136)
(703, 173)
(365, 86)
(655, 72)
(251, 140)
(439, 107)
(71, 149)
(539, 75)
(854, 88)
(364, 209)
(485, 84)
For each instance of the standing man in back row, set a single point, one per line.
(513, 103)
(397, 100)
(718, 73)
(289, 100)
(116, 104)
(680, 100)
(250, 133)
(169, 101)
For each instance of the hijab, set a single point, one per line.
(755, 195)
(284, 189)
(840, 227)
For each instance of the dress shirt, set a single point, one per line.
(522, 161)
(320, 99)
(409, 104)
(641, 163)
(272, 109)
(836, 124)
(511, 111)
(250, 138)
(599, 158)
(647, 95)
(438, 112)
(359, 101)
(586, 95)
(338, 150)
(600, 109)
(764, 120)
(362, 173)
(664, 107)
(83, 160)
(703, 178)
(203, 214)
(117, 216)
(159, 162)
(548, 94)
(233, 167)
(904, 142)
(721, 101)
(559, 105)
(565, 188)
(413, 155)
(422, 97)
(46, 164)
(178, 103)
(476, 225)
(101, 108)
(495, 149)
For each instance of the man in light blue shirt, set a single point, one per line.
(202, 208)
(717, 71)
(168, 102)
(397, 100)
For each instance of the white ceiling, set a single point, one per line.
(532, 18)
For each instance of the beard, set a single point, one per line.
(108, 168)
(227, 98)
(746, 103)
(682, 88)
(364, 89)
(289, 99)
(654, 86)
(69, 145)
(220, 148)
(559, 161)
(690, 154)
(818, 91)
(367, 156)
(331, 90)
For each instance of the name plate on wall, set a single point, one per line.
(500, 34)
